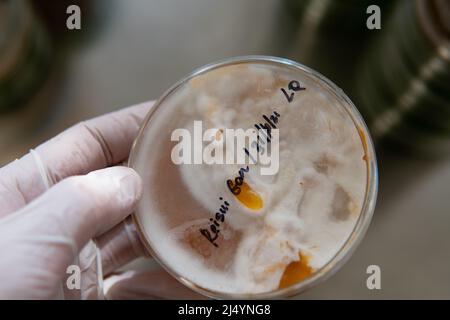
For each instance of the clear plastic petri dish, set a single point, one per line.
(260, 179)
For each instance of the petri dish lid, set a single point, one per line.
(266, 228)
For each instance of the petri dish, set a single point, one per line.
(260, 178)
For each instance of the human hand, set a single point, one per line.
(70, 190)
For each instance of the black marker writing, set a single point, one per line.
(212, 233)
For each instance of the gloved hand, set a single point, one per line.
(57, 198)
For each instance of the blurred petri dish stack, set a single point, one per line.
(26, 59)
(403, 83)
(331, 36)
(24, 54)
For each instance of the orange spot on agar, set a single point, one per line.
(250, 198)
(295, 272)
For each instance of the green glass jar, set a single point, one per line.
(25, 54)
(330, 36)
(404, 81)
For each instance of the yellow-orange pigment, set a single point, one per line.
(249, 197)
(295, 272)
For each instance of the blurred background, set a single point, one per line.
(132, 51)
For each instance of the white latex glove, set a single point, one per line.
(69, 191)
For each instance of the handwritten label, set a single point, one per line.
(265, 128)
(214, 228)
(293, 87)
